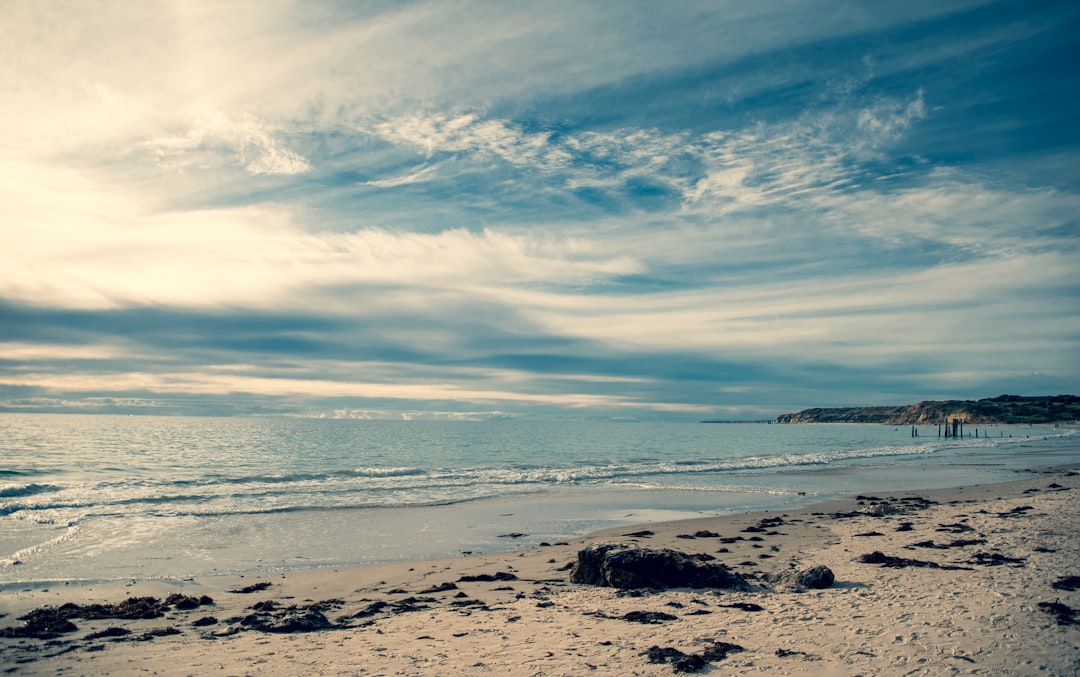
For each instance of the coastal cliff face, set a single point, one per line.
(1001, 409)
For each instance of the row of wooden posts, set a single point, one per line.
(951, 428)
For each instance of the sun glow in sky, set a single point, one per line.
(482, 209)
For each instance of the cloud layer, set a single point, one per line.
(473, 210)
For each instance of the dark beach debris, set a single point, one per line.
(1063, 614)
(254, 587)
(157, 632)
(993, 559)
(680, 662)
(628, 567)
(1018, 511)
(488, 578)
(684, 662)
(869, 533)
(1070, 583)
(955, 543)
(648, 617)
(883, 509)
(817, 577)
(287, 620)
(788, 653)
(49, 622)
(469, 603)
(846, 515)
(43, 623)
(442, 587)
(1043, 548)
(516, 534)
(765, 526)
(704, 533)
(397, 607)
(112, 631)
(185, 602)
(906, 526)
(954, 528)
(743, 606)
(644, 533)
(889, 561)
(204, 621)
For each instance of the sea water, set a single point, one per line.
(117, 497)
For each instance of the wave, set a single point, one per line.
(18, 491)
(388, 472)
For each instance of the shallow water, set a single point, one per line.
(114, 497)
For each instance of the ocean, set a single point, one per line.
(90, 498)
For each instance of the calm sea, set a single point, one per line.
(115, 497)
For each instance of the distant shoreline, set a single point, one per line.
(1001, 410)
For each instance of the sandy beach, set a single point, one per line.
(976, 580)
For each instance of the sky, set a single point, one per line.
(470, 210)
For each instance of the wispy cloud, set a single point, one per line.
(468, 208)
(245, 140)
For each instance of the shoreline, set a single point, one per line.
(524, 617)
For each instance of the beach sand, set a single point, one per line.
(997, 603)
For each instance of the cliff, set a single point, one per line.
(1001, 409)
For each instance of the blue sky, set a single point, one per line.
(564, 209)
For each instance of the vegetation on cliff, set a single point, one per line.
(1001, 409)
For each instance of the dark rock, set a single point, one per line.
(644, 533)
(204, 621)
(818, 577)
(443, 587)
(625, 567)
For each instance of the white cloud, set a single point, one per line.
(73, 243)
(200, 383)
(247, 139)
